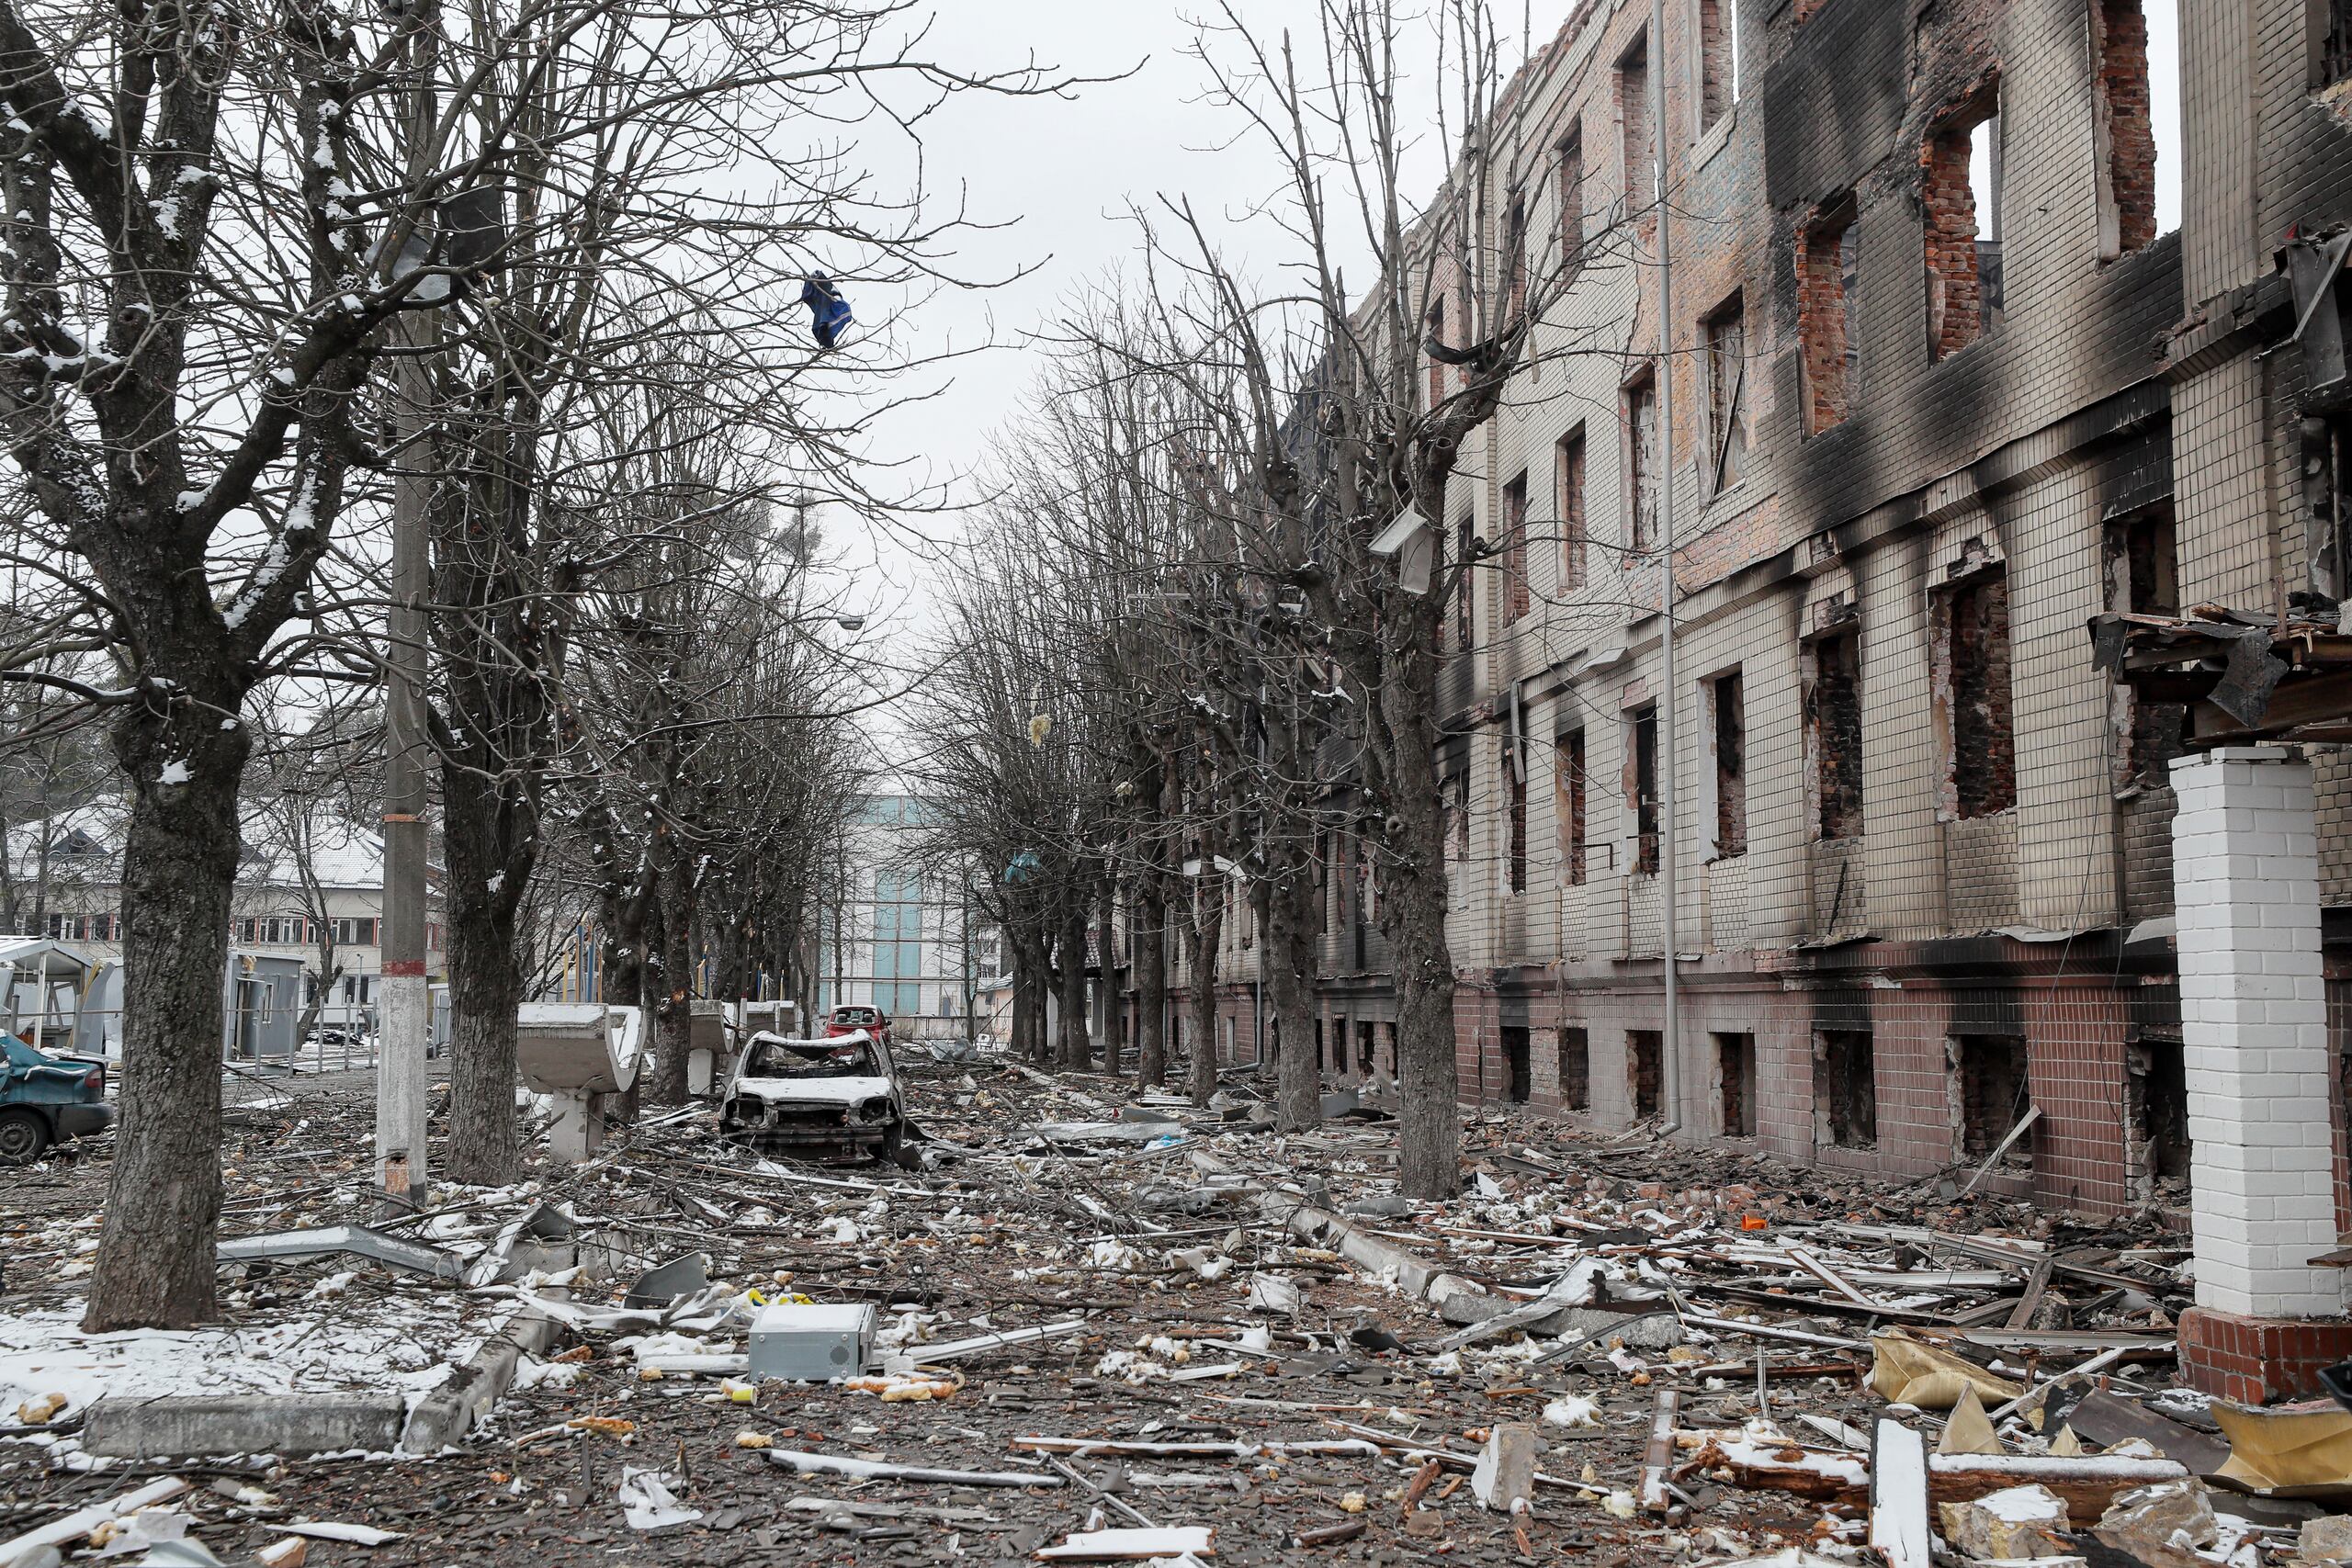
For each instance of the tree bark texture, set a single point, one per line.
(670, 986)
(1076, 1047)
(1207, 934)
(1150, 915)
(1412, 913)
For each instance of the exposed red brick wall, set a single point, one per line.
(1569, 784)
(1572, 199)
(1984, 739)
(1714, 61)
(2131, 132)
(1633, 124)
(2258, 1361)
(1731, 766)
(1823, 320)
(1569, 466)
(1955, 304)
(1516, 597)
(1833, 715)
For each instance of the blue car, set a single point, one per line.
(46, 1097)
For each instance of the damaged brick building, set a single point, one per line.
(1951, 380)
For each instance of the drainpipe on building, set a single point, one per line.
(1670, 1064)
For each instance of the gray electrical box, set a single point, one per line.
(811, 1343)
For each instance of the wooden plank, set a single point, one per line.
(1659, 1458)
(1822, 1272)
(1899, 1519)
(2031, 1303)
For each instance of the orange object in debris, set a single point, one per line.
(1753, 1223)
(610, 1426)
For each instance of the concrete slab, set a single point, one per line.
(187, 1425)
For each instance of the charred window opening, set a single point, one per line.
(2158, 1084)
(1641, 460)
(1322, 1058)
(1516, 597)
(2335, 44)
(1642, 784)
(1845, 1089)
(2126, 125)
(1736, 1084)
(1365, 1065)
(1644, 1057)
(1515, 812)
(1466, 583)
(1718, 60)
(1576, 1070)
(2327, 501)
(1977, 653)
(1825, 301)
(1569, 785)
(1726, 338)
(2144, 578)
(1961, 190)
(1833, 719)
(1569, 466)
(1457, 812)
(1572, 201)
(1633, 123)
(1728, 700)
(1519, 1084)
(1992, 1089)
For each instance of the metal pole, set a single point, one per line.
(400, 1064)
(1670, 1065)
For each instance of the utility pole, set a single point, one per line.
(1669, 756)
(400, 1071)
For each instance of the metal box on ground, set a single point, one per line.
(811, 1343)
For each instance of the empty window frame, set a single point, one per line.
(1576, 1069)
(1980, 736)
(1718, 60)
(1644, 1059)
(2143, 578)
(1962, 194)
(1516, 596)
(1641, 787)
(1726, 699)
(1642, 477)
(1568, 784)
(1992, 1092)
(1571, 197)
(1825, 325)
(1845, 1089)
(1515, 812)
(2125, 125)
(1833, 730)
(1568, 470)
(1725, 334)
(1639, 151)
(1735, 1084)
(2335, 42)
(1466, 583)
(1519, 1080)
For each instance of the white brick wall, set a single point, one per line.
(2253, 1015)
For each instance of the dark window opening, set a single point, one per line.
(1569, 466)
(2335, 47)
(1641, 456)
(1519, 1085)
(2126, 128)
(1983, 744)
(1645, 1054)
(1725, 333)
(1437, 334)
(1569, 785)
(1516, 596)
(1576, 1070)
(1731, 766)
(1961, 190)
(1643, 765)
(1833, 717)
(1736, 1084)
(1992, 1089)
(1365, 1066)
(1845, 1089)
(1633, 123)
(1826, 302)
(1466, 583)
(2159, 1086)
(2144, 578)
(1515, 797)
(1572, 201)
(1515, 254)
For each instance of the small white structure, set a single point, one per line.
(577, 1052)
(708, 1062)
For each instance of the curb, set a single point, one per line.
(447, 1414)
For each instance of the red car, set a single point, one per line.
(848, 1017)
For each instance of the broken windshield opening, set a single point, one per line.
(772, 1058)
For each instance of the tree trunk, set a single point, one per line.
(1207, 933)
(485, 990)
(1412, 913)
(1076, 1049)
(155, 1264)
(670, 986)
(1110, 1009)
(1286, 960)
(1151, 980)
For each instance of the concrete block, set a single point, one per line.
(187, 1426)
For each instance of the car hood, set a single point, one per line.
(815, 1091)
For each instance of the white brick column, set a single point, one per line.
(2254, 1017)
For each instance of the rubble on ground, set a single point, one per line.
(1104, 1323)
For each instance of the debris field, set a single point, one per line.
(1108, 1327)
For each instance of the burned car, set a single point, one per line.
(835, 1099)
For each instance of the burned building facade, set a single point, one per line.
(1949, 380)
